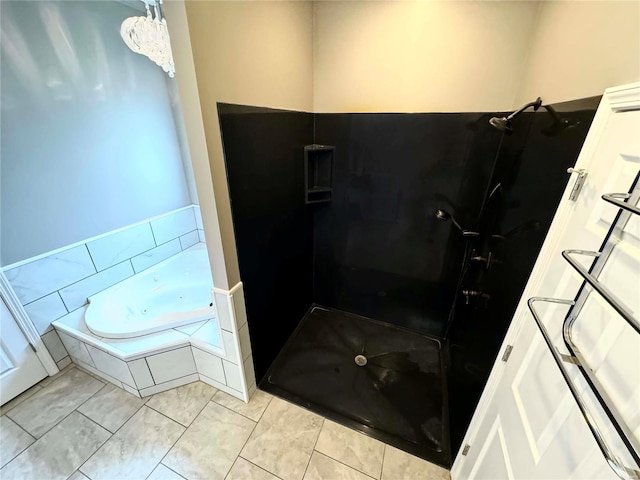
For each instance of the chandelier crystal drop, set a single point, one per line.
(149, 36)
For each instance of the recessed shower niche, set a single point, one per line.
(318, 168)
(369, 309)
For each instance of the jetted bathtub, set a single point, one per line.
(175, 292)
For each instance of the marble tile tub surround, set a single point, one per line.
(58, 283)
(113, 434)
(157, 362)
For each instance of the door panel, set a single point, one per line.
(20, 366)
(494, 460)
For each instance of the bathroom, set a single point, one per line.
(185, 161)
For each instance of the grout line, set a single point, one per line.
(82, 366)
(194, 418)
(344, 464)
(265, 409)
(62, 419)
(20, 452)
(314, 446)
(132, 378)
(168, 468)
(63, 304)
(185, 431)
(59, 340)
(36, 299)
(231, 410)
(224, 372)
(91, 257)
(256, 421)
(384, 454)
(127, 419)
(210, 353)
(98, 391)
(36, 390)
(90, 276)
(112, 435)
(173, 380)
(196, 365)
(172, 349)
(217, 381)
(98, 424)
(150, 372)
(164, 414)
(256, 465)
(22, 428)
(153, 235)
(51, 253)
(242, 448)
(61, 374)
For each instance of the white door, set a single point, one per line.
(527, 424)
(20, 367)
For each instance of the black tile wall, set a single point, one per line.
(273, 227)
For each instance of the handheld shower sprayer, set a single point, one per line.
(443, 215)
(504, 123)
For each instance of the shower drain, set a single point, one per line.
(360, 360)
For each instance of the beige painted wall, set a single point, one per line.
(195, 134)
(256, 53)
(581, 48)
(438, 56)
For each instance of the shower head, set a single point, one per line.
(559, 123)
(504, 123)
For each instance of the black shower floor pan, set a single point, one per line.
(396, 392)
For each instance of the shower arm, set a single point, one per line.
(536, 105)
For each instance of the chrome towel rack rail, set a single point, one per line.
(598, 287)
(614, 198)
(576, 357)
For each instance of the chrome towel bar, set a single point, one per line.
(614, 198)
(598, 287)
(621, 470)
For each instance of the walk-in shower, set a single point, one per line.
(383, 306)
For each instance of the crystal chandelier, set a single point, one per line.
(149, 36)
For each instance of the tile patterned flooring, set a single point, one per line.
(75, 426)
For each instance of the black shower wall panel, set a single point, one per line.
(273, 228)
(379, 250)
